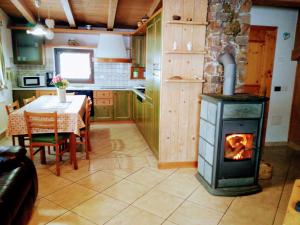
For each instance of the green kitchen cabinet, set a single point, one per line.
(134, 106)
(140, 116)
(21, 94)
(122, 105)
(103, 112)
(138, 51)
(149, 124)
(27, 48)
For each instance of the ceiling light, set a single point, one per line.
(38, 30)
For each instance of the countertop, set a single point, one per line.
(87, 88)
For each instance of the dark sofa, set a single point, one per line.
(18, 186)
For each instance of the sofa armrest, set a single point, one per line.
(12, 151)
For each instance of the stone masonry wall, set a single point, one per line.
(228, 30)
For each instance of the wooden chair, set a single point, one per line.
(45, 122)
(9, 109)
(28, 100)
(85, 132)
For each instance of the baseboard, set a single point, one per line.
(294, 145)
(282, 143)
(113, 122)
(173, 165)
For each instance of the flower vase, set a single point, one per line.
(62, 95)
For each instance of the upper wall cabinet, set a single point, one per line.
(138, 51)
(27, 48)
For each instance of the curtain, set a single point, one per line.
(2, 65)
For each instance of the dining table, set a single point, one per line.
(70, 118)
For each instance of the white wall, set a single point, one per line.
(6, 94)
(283, 71)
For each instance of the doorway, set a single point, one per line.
(260, 57)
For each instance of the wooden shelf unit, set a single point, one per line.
(186, 22)
(71, 46)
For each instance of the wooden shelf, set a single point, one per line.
(185, 81)
(71, 46)
(187, 22)
(185, 52)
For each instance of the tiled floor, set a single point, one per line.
(122, 186)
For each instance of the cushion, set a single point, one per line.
(48, 138)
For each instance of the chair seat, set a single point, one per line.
(48, 138)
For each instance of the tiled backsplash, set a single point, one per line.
(105, 74)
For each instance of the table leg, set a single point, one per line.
(21, 140)
(73, 150)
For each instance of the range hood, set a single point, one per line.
(111, 48)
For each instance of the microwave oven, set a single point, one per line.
(32, 81)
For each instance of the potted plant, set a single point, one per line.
(61, 86)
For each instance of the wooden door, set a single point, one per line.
(261, 52)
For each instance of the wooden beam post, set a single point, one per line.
(152, 8)
(19, 4)
(68, 12)
(112, 9)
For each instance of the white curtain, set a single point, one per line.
(2, 66)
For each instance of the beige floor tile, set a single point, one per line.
(279, 218)
(121, 172)
(100, 208)
(135, 216)
(51, 183)
(41, 172)
(243, 213)
(126, 191)
(133, 162)
(147, 177)
(99, 181)
(104, 163)
(70, 218)
(159, 203)
(202, 197)
(176, 184)
(44, 211)
(75, 175)
(192, 214)
(168, 223)
(71, 196)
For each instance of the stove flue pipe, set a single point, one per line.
(227, 60)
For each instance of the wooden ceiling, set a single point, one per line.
(103, 13)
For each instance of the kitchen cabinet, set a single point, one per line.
(152, 86)
(103, 105)
(21, 94)
(140, 116)
(39, 93)
(138, 51)
(122, 105)
(134, 106)
(27, 48)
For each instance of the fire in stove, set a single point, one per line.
(238, 147)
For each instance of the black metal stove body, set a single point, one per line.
(230, 143)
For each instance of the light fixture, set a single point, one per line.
(39, 29)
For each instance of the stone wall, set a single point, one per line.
(228, 30)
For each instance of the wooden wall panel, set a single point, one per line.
(179, 109)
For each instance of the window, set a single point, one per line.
(75, 65)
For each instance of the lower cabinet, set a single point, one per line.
(140, 116)
(21, 94)
(45, 92)
(112, 105)
(149, 125)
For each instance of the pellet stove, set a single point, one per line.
(230, 143)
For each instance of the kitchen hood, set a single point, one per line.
(111, 48)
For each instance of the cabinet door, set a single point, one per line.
(150, 60)
(156, 104)
(134, 107)
(157, 46)
(20, 95)
(45, 92)
(103, 112)
(138, 51)
(27, 48)
(140, 116)
(149, 123)
(122, 105)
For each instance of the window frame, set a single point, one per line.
(58, 51)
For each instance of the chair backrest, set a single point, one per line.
(88, 109)
(12, 107)
(42, 123)
(28, 100)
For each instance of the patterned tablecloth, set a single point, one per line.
(69, 114)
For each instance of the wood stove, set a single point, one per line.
(230, 143)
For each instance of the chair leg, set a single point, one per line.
(57, 159)
(42, 155)
(86, 147)
(13, 140)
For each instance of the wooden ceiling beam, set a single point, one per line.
(19, 4)
(112, 9)
(68, 12)
(278, 3)
(153, 7)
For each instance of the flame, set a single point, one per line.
(239, 155)
(239, 146)
(230, 139)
